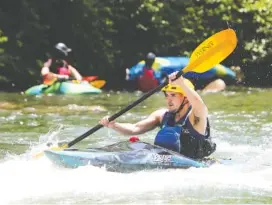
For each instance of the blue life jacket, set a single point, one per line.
(181, 137)
(169, 135)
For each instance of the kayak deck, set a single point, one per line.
(124, 157)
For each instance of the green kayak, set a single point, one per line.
(65, 88)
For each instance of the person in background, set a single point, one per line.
(58, 68)
(148, 79)
(149, 73)
(184, 126)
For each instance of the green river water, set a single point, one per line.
(241, 121)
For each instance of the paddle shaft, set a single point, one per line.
(121, 112)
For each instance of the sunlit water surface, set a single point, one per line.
(241, 123)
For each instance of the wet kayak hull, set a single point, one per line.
(135, 159)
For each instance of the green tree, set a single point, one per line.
(108, 36)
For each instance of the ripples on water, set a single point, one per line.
(241, 132)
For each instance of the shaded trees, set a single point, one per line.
(108, 36)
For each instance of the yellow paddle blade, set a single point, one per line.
(36, 156)
(212, 51)
(98, 83)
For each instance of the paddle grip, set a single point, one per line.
(180, 73)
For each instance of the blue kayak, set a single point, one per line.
(124, 156)
(65, 88)
(168, 65)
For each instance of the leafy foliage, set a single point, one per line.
(108, 36)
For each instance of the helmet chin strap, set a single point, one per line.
(173, 113)
(181, 106)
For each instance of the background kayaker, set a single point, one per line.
(147, 80)
(184, 124)
(150, 72)
(57, 67)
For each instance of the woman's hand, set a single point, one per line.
(47, 63)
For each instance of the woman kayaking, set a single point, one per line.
(58, 68)
(184, 124)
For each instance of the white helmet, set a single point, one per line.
(63, 48)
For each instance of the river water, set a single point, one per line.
(241, 120)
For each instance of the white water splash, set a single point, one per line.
(52, 134)
(25, 180)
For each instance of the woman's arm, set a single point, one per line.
(75, 73)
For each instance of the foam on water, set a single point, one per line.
(245, 137)
(25, 180)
